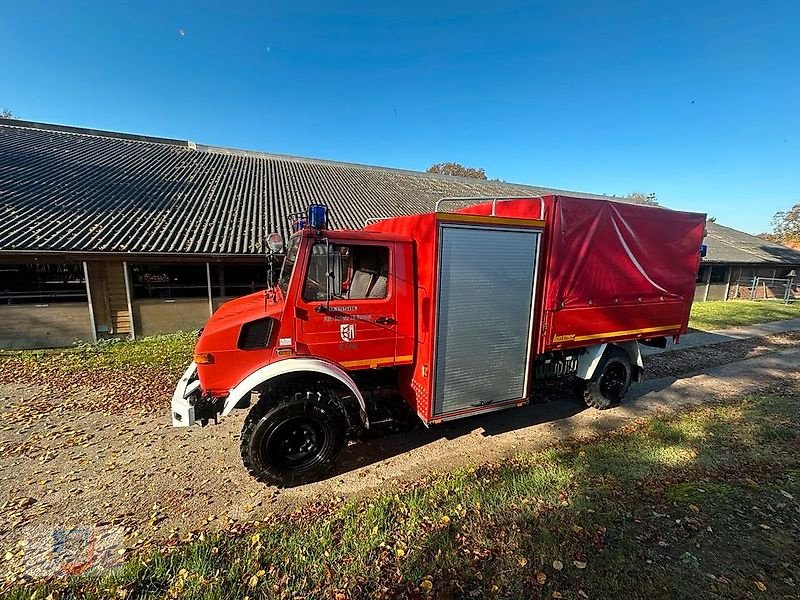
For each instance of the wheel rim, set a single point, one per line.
(295, 444)
(613, 381)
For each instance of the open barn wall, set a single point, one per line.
(108, 298)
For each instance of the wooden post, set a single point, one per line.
(128, 294)
(208, 282)
(728, 283)
(89, 299)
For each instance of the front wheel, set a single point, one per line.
(293, 443)
(610, 381)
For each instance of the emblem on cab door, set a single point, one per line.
(347, 331)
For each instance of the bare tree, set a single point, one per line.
(6, 114)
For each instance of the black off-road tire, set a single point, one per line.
(610, 381)
(294, 442)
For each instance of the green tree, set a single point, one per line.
(785, 228)
(457, 170)
(641, 198)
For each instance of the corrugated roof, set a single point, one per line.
(68, 189)
(733, 246)
(72, 190)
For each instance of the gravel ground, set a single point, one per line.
(686, 361)
(71, 454)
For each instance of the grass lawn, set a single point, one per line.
(700, 505)
(721, 315)
(172, 351)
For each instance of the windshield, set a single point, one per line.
(288, 264)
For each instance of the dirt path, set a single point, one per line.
(61, 463)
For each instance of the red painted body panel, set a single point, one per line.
(416, 380)
(220, 337)
(607, 271)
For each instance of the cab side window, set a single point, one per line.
(369, 272)
(362, 272)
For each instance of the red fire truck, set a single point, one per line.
(456, 313)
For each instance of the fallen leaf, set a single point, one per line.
(426, 585)
(694, 508)
(558, 565)
(522, 561)
(579, 564)
(254, 581)
(400, 552)
(541, 578)
(760, 585)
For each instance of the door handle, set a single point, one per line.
(385, 321)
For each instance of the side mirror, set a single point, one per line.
(335, 270)
(275, 243)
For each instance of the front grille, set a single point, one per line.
(255, 334)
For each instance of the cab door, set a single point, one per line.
(347, 306)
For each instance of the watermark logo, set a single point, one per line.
(61, 551)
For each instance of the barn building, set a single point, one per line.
(111, 234)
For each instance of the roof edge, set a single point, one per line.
(95, 132)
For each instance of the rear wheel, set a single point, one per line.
(610, 381)
(293, 443)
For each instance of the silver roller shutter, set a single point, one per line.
(486, 285)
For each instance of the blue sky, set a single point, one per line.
(698, 102)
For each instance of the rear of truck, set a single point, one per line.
(512, 292)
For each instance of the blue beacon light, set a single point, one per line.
(317, 216)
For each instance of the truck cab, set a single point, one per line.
(336, 323)
(345, 297)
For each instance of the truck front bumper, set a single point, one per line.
(184, 398)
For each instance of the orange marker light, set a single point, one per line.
(206, 358)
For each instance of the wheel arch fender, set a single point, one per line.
(635, 354)
(294, 365)
(590, 359)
